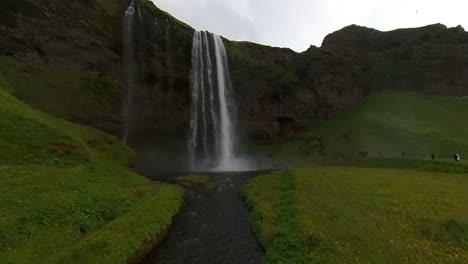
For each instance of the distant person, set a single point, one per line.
(457, 157)
(433, 156)
(403, 154)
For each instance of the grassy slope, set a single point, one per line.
(67, 194)
(390, 123)
(360, 215)
(82, 94)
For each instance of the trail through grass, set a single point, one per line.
(360, 215)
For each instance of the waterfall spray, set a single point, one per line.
(213, 135)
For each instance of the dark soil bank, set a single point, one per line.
(213, 227)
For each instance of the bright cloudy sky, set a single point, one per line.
(299, 23)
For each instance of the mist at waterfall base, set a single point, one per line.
(214, 141)
(214, 136)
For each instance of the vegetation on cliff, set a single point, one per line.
(67, 194)
(431, 59)
(386, 124)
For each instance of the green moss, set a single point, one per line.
(260, 63)
(150, 6)
(121, 239)
(61, 183)
(360, 215)
(278, 233)
(110, 7)
(4, 84)
(107, 13)
(387, 123)
(67, 92)
(202, 181)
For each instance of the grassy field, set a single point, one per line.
(68, 194)
(386, 124)
(360, 215)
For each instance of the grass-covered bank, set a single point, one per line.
(384, 124)
(360, 215)
(67, 194)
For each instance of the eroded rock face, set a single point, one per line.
(72, 52)
(66, 58)
(431, 59)
(275, 84)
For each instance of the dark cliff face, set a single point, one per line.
(61, 57)
(431, 59)
(280, 91)
(66, 58)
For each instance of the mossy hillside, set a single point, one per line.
(65, 91)
(360, 215)
(166, 49)
(396, 122)
(255, 65)
(262, 58)
(61, 183)
(386, 124)
(410, 67)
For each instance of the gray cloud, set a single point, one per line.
(299, 23)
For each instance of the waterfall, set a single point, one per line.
(170, 81)
(213, 136)
(129, 66)
(226, 140)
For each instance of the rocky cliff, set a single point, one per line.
(66, 58)
(281, 92)
(431, 59)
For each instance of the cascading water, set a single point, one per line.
(226, 140)
(129, 66)
(170, 81)
(213, 138)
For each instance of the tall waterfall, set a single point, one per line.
(213, 138)
(129, 66)
(170, 81)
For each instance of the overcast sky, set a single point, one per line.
(299, 23)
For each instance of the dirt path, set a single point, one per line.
(213, 227)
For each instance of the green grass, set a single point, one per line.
(195, 180)
(67, 194)
(360, 215)
(389, 123)
(447, 166)
(66, 92)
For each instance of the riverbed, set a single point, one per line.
(212, 228)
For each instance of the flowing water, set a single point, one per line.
(212, 228)
(213, 141)
(129, 66)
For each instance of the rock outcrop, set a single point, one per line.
(66, 58)
(431, 59)
(279, 88)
